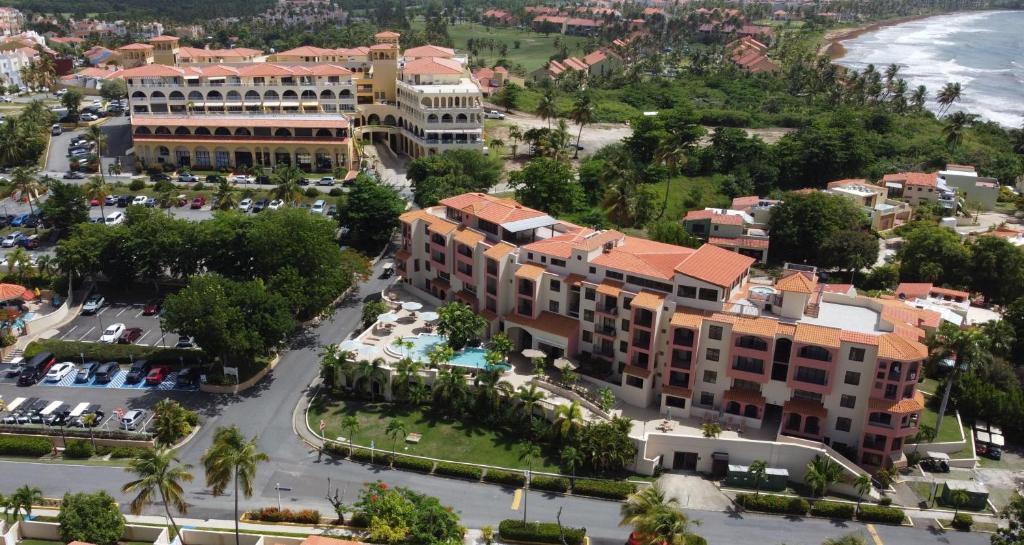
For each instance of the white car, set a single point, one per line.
(11, 240)
(318, 207)
(245, 205)
(88, 117)
(242, 179)
(326, 180)
(114, 218)
(112, 333)
(275, 204)
(139, 200)
(495, 114)
(60, 370)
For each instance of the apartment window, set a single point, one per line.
(677, 402)
(715, 332)
(613, 275)
(529, 256)
(856, 354)
(710, 376)
(635, 382)
(553, 306)
(689, 292)
(588, 316)
(707, 399)
(811, 375)
(650, 284)
(223, 159)
(706, 294)
(593, 270)
(416, 265)
(627, 303)
(556, 286)
(588, 336)
(852, 378)
(625, 325)
(558, 262)
(589, 294)
(712, 354)
(623, 347)
(843, 424)
(848, 401)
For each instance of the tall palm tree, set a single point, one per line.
(956, 124)
(918, 97)
(822, 472)
(450, 389)
(351, 425)
(965, 346)
(96, 134)
(225, 196)
(863, 485)
(758, 471)
(948, 95)
(407, 373)
(582, 113)
(23, 499)
(643, 503)
(231, 458)
(664, 527)
(515, 135)
(97, 188)
(369, 371)
(159, 473)
(546, 108)
(287, 186)
(529, 398)
(530, 453)
(490, 390)
(571, 459)
(568, 420)
(25, 184)
(16, 260)
(395, 429)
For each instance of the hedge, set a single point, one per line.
(25, 446)
(554, 484)
(769, 503)
(273, 514)
(877, 513)
(128, 452)
(415, 464)
(78, 449)
(833, 510)
(121, 353)
(963, 521)
(461, 471)
(615, 490)
(539, 532)
(498, 476)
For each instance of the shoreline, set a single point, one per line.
(832, 45)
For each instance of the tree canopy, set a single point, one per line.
(547, 184)
(453, 172)
(370, 211)
(804, 224)
(90, 518)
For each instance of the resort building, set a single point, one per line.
(733, 230)
(12, 21)
(959, 186)
(685, 331)
(883, 213)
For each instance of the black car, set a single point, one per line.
(32, 221)
(124, 201)
(934, 465)
(188, 376)
(36, 368)
(86, 371)
(58, 418)
(107, 372)
(303, 181)
(138, 371)
(260, 205)
(215, 179)
(73, 175)
(159, 177)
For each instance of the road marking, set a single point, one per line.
(516, 498)
(874, 535)
(101, 311)
(139, 340)
(68, 332)
(140, 313)
(122, 311)
(86, 334)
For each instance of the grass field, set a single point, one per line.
(443, 438)
(948, 433)
(533, 51)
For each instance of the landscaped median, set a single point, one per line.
(797, 506)
(121, 353)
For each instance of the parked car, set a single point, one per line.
(275, 204)
(111, 200)
(30, 242)
(152, 307)
(934, 465)
(303, 181)
(73, 175)
(88, 117)
(114, 218)
(133, 419)
(245, 205)
(495, 114)
(139, 200)
(138, 371)
(242, 179)
(36, 368)
(112, 333)
(326, 180)
(12, 239)
(19, 220)
(214, 178)
(156, 375)
(151, 202)
(93, 304)
(130, 335)
(188, 178)
(107, 372)
(198, 202)
(56, 129)
(332, 210)
(60, 370)
(318, 206)
(124, 201)
(86, 371)
(185, 341)
(263, 179)
(159, 177)
(260, 205)
(188, 376)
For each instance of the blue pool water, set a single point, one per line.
(423, 344)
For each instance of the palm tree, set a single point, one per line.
(96, 134)
(948, 95)
(644, 503)
(491, 389)
(918, 97)
(351, 425)
(546, 108)
(664, 527)
(965, 345)
(26, 186)
(582, 113)
(450, 389)
(225, 196)
(232, 459)
(529, 397)
(822, 472)
(758, 471)
(287, 180)
(711, 429)
(568, 420)
(170, 422)
(333, 361)
(96, 188)
(407, 373)
(89, 421)
(419, 393)
(572, 459)
(515, 135)
(16, 260)
(23, 499)
(394, 430)
(159, 474)
(530, 452)
(925, 434)
(370, 371)
(956, 124)
(863, 485)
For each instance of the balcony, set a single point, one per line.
(605, 330)
(242, 138)
(748, 365)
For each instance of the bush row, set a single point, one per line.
(25, 446)
(539, 532)
(878, 513)
(554, 484)
(498, 476)
(273, 514)
(461, 471)
(833, 510)
(78, 449)
(615, 490)
(122, 353)
(415, 464)
(770, 503)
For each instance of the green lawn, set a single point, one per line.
(687, 194)
(443, 438)
(533, 51)
(948, 433)
(929, 386)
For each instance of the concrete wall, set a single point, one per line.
(50, 531)
(42, 323)
(204, 537)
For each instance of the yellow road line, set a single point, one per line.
(874, 535)
(518, 497)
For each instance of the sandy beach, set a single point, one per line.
(832, 44)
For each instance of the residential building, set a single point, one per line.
(601, 62)
(956, 187)
(733, 230)
(12, 62)
(133, 55)
(12, 21)
(974, 191)
(499, 17)
(681, 329)
(751, 55)
(756, 207)
(491, 81)
(951, 305)
(883, 213)
(305, 12)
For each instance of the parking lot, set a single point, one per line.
(88, 328)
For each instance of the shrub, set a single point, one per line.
(415, 464)
(615, 490)
(554, 484)
(312, 192)
(137, 185)
(963, 521)
(121, 353)
(885, 502)
(833, 510)
(127, 452)
(336, 192)
(25, 446)
(273, 514)
(694, 539)
(498, 476)
(92, 518)
(78, 449)
(461, 471)
(769, 503)
(198, 186)
(877, 513)
(539, 532)
(358, 520)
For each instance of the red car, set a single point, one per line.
(130, 335)
(156, 375)
(198, 202)
(151, 308)
(94, 202)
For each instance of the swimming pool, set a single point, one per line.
(423, 344)
(763, 290)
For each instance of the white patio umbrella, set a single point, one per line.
(562, 364)
(388, 318)
(533, 353)
(429, 316)
(412, 306)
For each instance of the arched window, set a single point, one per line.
(283, 132)
(222, 131)
(426, 103)
(234, 96)
(432, 118)
(177, 95)
(195, 96)
(252, 95)
(271, 95)
(373, 119)
(242, 131)
(308, 95)
(139, 94)
(163, 130)
(751, 411)
(324, 132)
(182, 131)
(163, 151)
(461, 118)
(389, 120)
(142, 130)
(157, 95)
(733, 407)
(345, 93)
(327, 94)
(812, 425)
(446, 118)
(202, 131)
(214, 95)
(290, 95)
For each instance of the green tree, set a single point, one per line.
(437, 177)
(96, 135)
(97, 188)
(368, 372)
(958, 498)
(571, 459)
(225, 200)
(66, 205)
(459, 324)
(351, 426)
(822, 472)
(547, 108)
(582, 114)
(372, 310)
(949, 94)
(933, 254)
(395, 429)
(568, 421)
(711, 429)
(997, 270)
(450, 390)
(803, 223)
(25, 186)
(957, 124)
(849, 250)
(1013, 532)
(501, 344)
(672, 232)
(548, 185)
(758, 471)
(72, 100)
(23, 499)
(232, 459)
(90, 518)
(113, 89)
(508, 97)
(370, 211)
(171, 422)
(863, 485)
(160, 474)
(965, 347)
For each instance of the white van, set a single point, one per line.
(318, 206)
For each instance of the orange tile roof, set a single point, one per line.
(740, 242)
(610, 288)
(817, 335)
(796, 282)
(639, 256)
(403, 254)
(837, 288)
(677, 391)
(164, 38)
(387, 34)
(413, 215)
(432, 65)
(490, 208)
(499, 251)
(743, 203)
(575, 279)
(442, 227)
(715, 265)
(949, 292)
(469, 237)
(556, 324)
(804, 406)
(747, 397)
(913, 290)
(637, 371)
(429, 51)
(648, 300)
(857, 337)
(787, 329)
(764, 327)
(902, 406)
(322, 540)
(135, 47)
(687, 318)
(896, 347)
(530, 271)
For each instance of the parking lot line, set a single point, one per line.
(101, 311)
(143, 337)
(125, 309)
(138, 314)
(86, 334)
(68, 332)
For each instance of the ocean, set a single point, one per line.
(983, 50)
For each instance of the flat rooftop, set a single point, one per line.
(847, 317)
